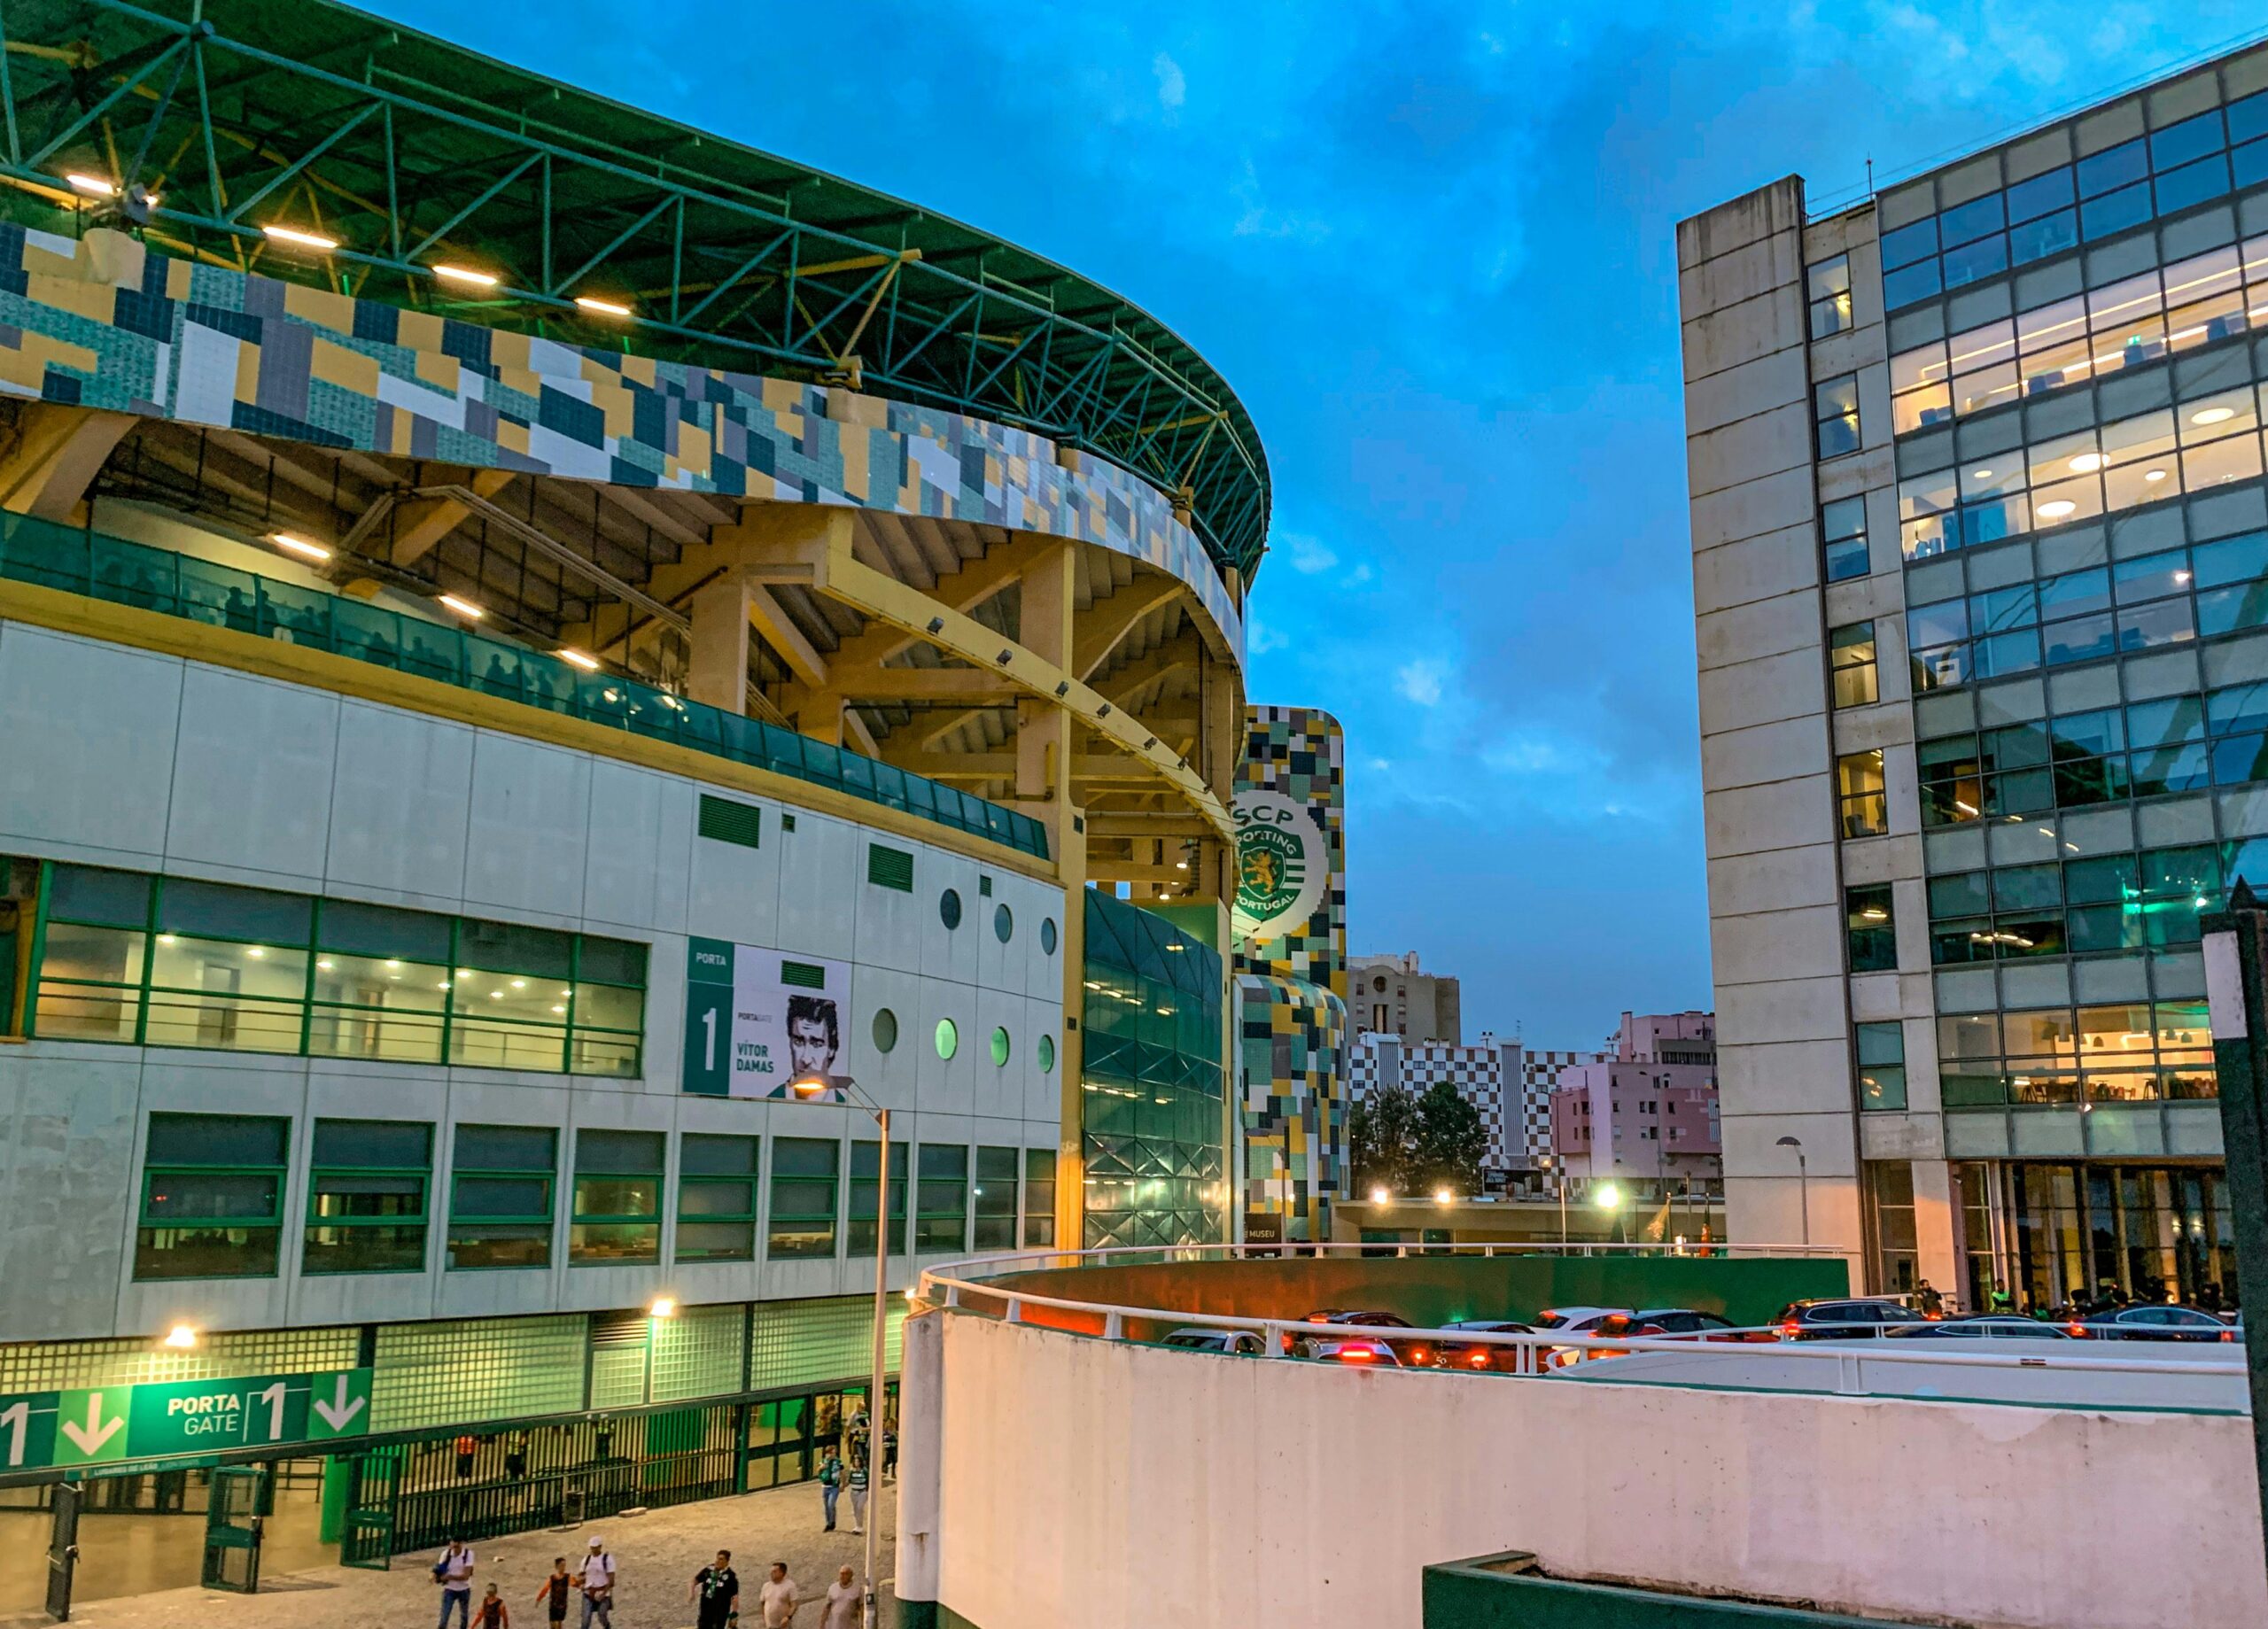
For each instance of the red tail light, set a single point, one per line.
(1479, 1360)
(1355, 1355)
(1788, 1331)
(2078, 1331)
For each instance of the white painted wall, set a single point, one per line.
(119, 757)
(1115, 1486)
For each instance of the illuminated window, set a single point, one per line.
(1859, 791)
(1829, 288)
(1851, 661)
(1834, 410)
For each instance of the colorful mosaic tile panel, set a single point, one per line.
(103, 321)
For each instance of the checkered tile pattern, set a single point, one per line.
(104, 322)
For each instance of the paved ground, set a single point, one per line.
(658, 1554)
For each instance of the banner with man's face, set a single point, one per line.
(757, 1021)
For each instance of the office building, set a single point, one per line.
(1980, 555)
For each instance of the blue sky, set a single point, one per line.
(1431, 246)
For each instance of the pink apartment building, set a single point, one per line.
(1645, 1115)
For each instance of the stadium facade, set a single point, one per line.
(524, 629)
(1980, 538)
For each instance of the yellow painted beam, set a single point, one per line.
(927, 684)
(876, 594)
(1085, 767)
(426, 521)
(59, 451)
(1105, 624)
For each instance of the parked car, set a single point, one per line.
(1408, 1353)
(1708, 1326)
(1980, 1326)
(1488, 1354)
(1334, 1349)
(1585, 1321)
(2153, 1323)
(1861, 1318)
(1236, 1342)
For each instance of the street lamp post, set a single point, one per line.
(1803, 1183)
(808, 1088)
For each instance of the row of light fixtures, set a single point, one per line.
(291, 543)
(295, 237)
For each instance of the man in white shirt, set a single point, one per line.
(454, 1573)
(843, 1600)
(777, 1602)
(597, 1581)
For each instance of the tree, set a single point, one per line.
(1447, 1141)
(1382, 1142)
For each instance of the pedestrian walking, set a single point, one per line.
(557, 1591)
(830, 1487)
(717, 1592)
(468, 1445)
(493, 1613)
(889, 1453)
(777, 1601)
(859, 1496)
(596, 1581)
(454, 1573)
(844, 1599)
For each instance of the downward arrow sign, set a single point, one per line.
(338, 1410)
(90, 1437)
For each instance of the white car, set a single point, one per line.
(1578, 1321)
(1236, 1342)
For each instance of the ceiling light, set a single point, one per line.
(256, 952)
(589, 664)
(604, 307)
(299, 545)
(663, 1307)
(519, 983)
(559, 1009)
(2087, 464)
(2056, 508)
(463, 606)
(2181, 577)
(93, 186)
(181, 1337)
(302, 240)
(2212, 416)
(326, 966)
(465, 274)
(1982, 474)
(2153, 474)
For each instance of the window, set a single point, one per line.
(500, 1199)
(366, 1196)
(885, 1029)
(211, 1197)
(941, 1199)
(715, 1198)
(1004, 924)
(1829, 287)
(1047, 935)
(995, 1198)
(804, 1171)
(948, 1039)
(999, 1048)
(1872, 931)
(1834, 410)
(1039, 1197)
(1851, 658)
(1843, 539)
(1858, 788)
(948, 909)
(169, 962)
(1891, 1186)
(617, 1218)
(1882, 1067)
(858, 1222)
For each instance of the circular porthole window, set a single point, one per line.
(999, 1048)
(1004, 925)
(948, 1039)
(948, 909)
(1047, 935)
(1047, 1053)
(885, 1030)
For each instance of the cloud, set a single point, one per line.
(1173, 85)
(1421, 681)
(1307, 555)
(1260, 638)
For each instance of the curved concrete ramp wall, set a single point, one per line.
(1051, 1479)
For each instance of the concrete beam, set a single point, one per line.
(426, 521)
(59, 451)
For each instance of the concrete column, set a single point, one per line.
(718, 673)
(1936, 1224)
(921, 1464)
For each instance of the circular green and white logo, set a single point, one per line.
(1281, 865)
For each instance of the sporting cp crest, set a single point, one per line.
(1282, 864)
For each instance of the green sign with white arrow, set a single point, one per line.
(97, 1425)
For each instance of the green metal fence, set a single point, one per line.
(124, 573)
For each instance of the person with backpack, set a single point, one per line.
(859, 1495)
(830, 1487)
(454, 1573)
(596, 1581)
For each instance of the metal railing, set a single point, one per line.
(102, 567)
(964, 1286)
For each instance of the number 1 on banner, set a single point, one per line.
(17, 1419)
(274, 1398)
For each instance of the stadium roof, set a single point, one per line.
(409, 154)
